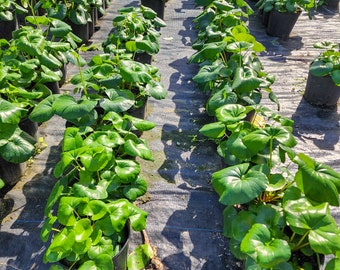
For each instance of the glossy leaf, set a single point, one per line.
(96, 209)
(67, 107)
(118, 101)
(263, 248)
(237, 184)
(138, 150)
(82, 229)
(18, 148)
(9, 113)
(259, 139)
(95, 159)
(67, 209)
(135, 189)
(231, 113)
(44, 111)
(103, 261)
(127, 170)
(104, 246)
(213, 130)
(318, 181)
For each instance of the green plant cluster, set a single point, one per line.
(28, 62)
(98, 175)
(286, 5)
(78, 12)
(9, 9)
(277, 201)
(135, 30)
(327, 63)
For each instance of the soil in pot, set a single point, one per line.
(281, 24)
(321, 91)
(7, 27)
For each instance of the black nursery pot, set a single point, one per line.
(7, 27)
(143, 58)
(80, 30)
(281, 24)
(321, 91)
(156, 5)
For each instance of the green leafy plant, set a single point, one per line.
(277, 213)
(286, 5)
(327, 63)
(136, 30)
(8, 9)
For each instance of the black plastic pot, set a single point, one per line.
(64, 72)
(94, 19)
(143, 58)
(281, 24)
(156, 5)
(80, 30)
(7, 27)
(321, 91)
(54, 87)
(10, 172)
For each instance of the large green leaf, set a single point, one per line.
(9, 113)
(333, 264)
(156, 90)
(138, 149)
(213, 130)
(44, 110)
(95, 158)
(245, 80)
(335, 74)
(127, 170)
(61, 246)
(118, 101)
(96, 209)
(135, 189)
(72, 139)
(241, 224)
(230, 113)
(68, 208)
(220, 98)
(67, 107)
(134, 72)
(18, 148)
(323, 232)
(319, 68)
(267, 251)
(104, 246)
(82, 229)
(318, 181)
(237, 184)
(259, 139)
(94, 192)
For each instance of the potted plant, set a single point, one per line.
(76, 13)
(323, 82)
(136, 30)
(8, 18)
(270, 205)
(99, 183)
(282, 15)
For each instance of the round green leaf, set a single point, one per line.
(82, 229)
(237, 185)
(263, 248)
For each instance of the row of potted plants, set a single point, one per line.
(277, 201)
(91, 209)
(33, 64)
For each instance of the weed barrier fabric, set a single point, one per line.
(185, 220)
